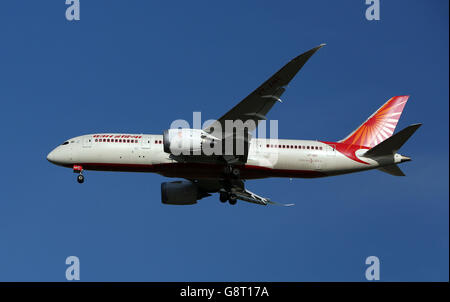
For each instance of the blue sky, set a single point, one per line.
(135, 66)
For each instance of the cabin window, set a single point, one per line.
(65, 143)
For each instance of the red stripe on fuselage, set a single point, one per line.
(201, 170)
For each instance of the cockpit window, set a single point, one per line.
(65, 143)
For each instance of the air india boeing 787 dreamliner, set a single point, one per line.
(181, 152)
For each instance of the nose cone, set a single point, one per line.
(51, 157)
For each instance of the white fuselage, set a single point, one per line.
(266, 158)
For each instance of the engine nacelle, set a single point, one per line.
(186, 141)
(179, 192)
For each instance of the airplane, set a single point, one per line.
(373, 145)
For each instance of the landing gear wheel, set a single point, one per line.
(223, 196)
(80, 178)
(232, 200)
(235, 172)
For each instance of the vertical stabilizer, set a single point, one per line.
(380, 125)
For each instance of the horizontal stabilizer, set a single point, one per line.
(393, 143)
(392, 169)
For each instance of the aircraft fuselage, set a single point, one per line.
(266, 158)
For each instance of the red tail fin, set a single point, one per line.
(380, 125)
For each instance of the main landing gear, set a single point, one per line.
(226, 196)
(232, 172)
(232, 176)
(79, 170)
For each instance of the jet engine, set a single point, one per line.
(179, 192)
(185, 141)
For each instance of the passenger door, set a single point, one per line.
(145, 142)
(87, 141)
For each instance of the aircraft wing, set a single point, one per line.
(256, 105)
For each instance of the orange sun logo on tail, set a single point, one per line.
(379, 126)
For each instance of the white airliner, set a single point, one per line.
(373, 145)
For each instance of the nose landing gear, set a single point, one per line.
(80, 178)
(79, 170)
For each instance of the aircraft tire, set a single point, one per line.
(80, 178)
(224, 196)
(232, 200)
